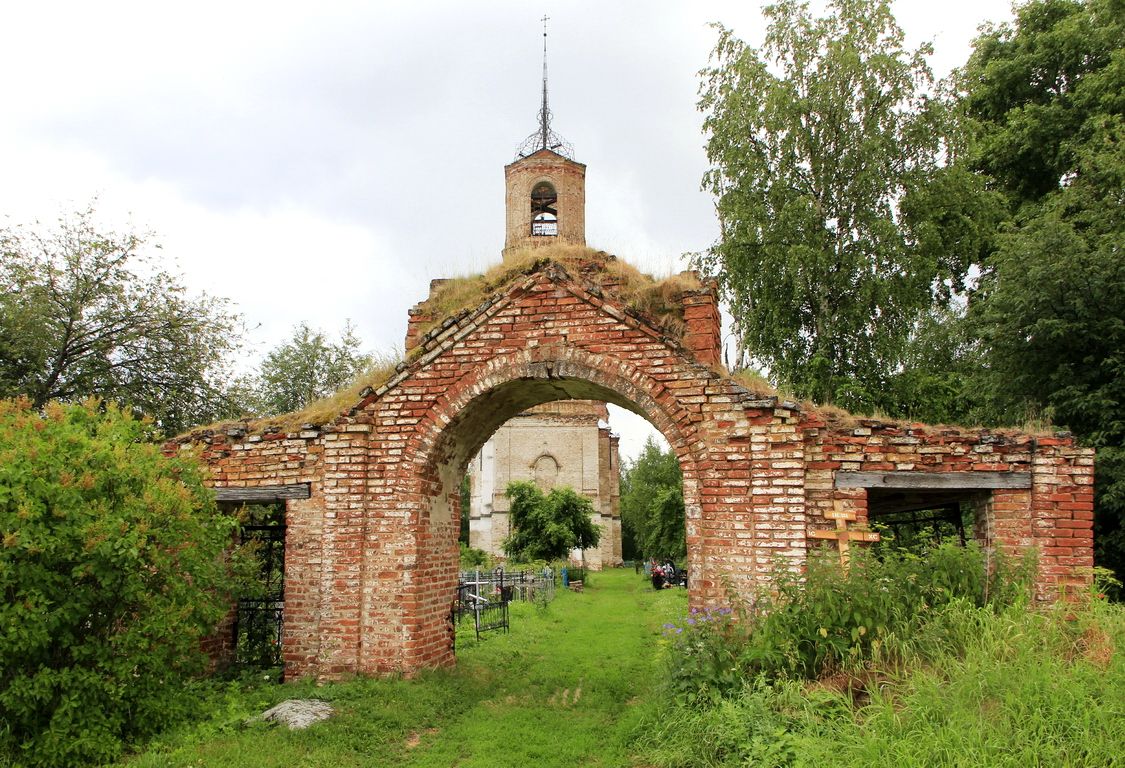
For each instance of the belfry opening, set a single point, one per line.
(544, 210)
(545, 187)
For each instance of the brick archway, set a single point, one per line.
(459, 423)
(550, 336)
(371, 493)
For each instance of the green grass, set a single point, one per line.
(581, 683)
(1015, 688)
(561, 689)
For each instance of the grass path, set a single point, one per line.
(564, 688)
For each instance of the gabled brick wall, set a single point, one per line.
(372, 554)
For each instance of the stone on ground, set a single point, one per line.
(299, 713)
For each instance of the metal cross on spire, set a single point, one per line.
(545, 138)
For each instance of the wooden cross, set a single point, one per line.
(842, 535)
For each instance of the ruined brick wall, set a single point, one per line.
(272, 458)
(549, 338)
(371, 563)
(703, 325)
(1053, 514)
(1062, 511)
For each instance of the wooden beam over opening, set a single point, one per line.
(933, 481)
(263, 493)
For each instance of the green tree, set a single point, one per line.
(1044, 93)
(84, 312)
(308, 367)
(827, 166)
(548, 527)
(1045, 100)
(652, 503)
(112, 571)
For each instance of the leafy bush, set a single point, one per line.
(705, 653)
(978, 676)
(747, 730)
(814, 623)
(471, 557)
(546, 527)
(111, 574)
(1015, 687)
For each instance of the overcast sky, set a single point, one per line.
(321, 162)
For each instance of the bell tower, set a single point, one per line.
(544, 187)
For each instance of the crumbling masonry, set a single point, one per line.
(372, 496)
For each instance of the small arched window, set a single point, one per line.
(544, 210)
(546, 471)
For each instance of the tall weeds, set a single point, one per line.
(923, 658)
(829, 620)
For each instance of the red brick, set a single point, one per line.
(753, 475)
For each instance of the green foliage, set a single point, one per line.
(1045, 98)
(548, 527)
(1043, 92)
(652, 503)
(744, 731)
(826, 619)
(111, 573)
(838, 219)
(85, 313)
(471, 557)
(997, 687)
(560, 689)
(1109, 513)
(309, 367)
(1025, 687)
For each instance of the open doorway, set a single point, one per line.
(912, 518)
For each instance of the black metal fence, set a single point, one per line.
(574, 574)
(259, 616)
(485, 595)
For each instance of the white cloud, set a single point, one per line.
(324, 162)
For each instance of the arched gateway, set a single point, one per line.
(372, 495)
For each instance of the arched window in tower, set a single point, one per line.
(544, 210)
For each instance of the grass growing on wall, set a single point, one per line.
(658, 298)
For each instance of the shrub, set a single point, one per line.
(705, 653)
(546, 527)
(111, 573)
(471, 558)
(967, 670)
(996, 687)
(812, 624)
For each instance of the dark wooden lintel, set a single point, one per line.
(263, 493)
(933, 481)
